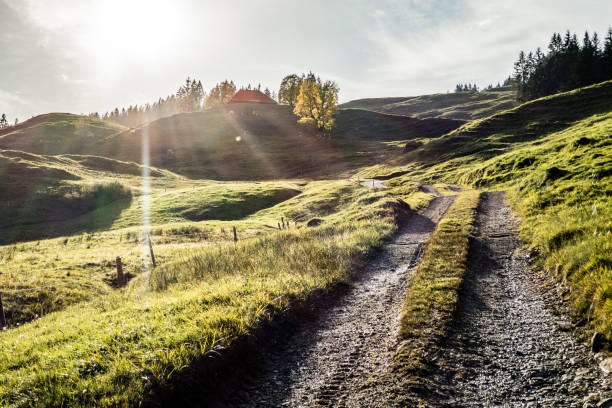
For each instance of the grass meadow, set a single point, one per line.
(554, 158)
(114, 347)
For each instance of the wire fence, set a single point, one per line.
(143, 244)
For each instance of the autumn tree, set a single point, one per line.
(222, 93)
(289, 90)
(317, 103)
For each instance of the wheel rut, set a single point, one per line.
(338, 359)
(506, 348)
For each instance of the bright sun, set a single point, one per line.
(122, 31)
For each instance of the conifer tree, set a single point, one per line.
(569, 64)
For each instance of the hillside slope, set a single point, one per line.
(554, 157)
(233, 142)
(37, 191)
(370, 125)
(58, 133)
(461, 105)
(525, 123)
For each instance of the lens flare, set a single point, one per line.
(146, 191)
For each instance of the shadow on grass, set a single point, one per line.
(100, 219)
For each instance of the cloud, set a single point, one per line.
(93, 55)
(11, 103)
(441, 44)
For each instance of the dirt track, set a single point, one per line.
(336, 360)
(506, 348)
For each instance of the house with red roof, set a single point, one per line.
(251, 96)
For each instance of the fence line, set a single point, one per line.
(121, 278)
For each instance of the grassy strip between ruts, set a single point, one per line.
(433, 295)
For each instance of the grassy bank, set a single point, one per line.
(554, 158)
(124, 348)
(456, 105)
(562, 187)
(433, 294)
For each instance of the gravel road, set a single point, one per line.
(335, 360)
(507, 349)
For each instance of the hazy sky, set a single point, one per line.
(92, 55)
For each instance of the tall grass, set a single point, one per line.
(128, 347)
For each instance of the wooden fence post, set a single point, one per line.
(120, 276)
(235, 235)
(2, 318)
(151, 251)
(279, 226)
(283, 222)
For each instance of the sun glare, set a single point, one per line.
(125, 31)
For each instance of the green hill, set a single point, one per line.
(58, 133)
(233, 142)
(369, 125)
(461, 105)
(253, 141)
(554, 157)
(37, 191)
(526, 123)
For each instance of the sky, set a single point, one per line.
(84, 56)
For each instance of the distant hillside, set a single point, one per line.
(461, 105)
(233, 142)
(526, 123)
(36, 190)
(58, 133)
(365, 124)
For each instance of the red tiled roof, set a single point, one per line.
(246, 95)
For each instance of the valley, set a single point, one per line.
(355, 276)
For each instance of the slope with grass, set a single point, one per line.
(39, 192)
(127, 340)
(369, 125)
(39, 277)
(252, 141)
(58, 133)
(461, 105)
(233, 142)
(554, 156)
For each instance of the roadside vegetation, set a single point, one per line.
(554, 157)
(215, 291)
